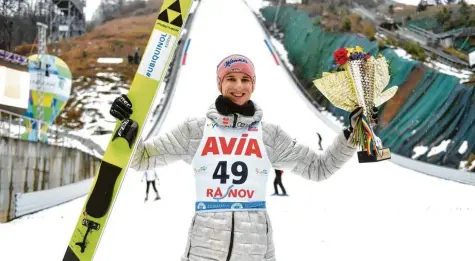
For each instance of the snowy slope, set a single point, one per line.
(364, 212)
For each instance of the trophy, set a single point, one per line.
(358, 80)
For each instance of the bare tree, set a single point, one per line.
(111, 9)
(18, 21)
(8, 11)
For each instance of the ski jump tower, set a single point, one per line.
(67, 19)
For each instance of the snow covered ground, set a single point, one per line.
(433, 2)
(367, 212)
(110, 60)
(463, 75)
(95, 97)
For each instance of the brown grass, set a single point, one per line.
(116, 38)
(394, 104)
(431, 11)
(332, 21)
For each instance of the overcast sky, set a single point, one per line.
(91, 6)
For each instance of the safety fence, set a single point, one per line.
(14, 126)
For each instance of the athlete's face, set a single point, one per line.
(237, 87)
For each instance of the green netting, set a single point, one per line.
(464, 45)
(438, 109)
(399, 68)
(307, 45)
(426, 98)
(429, 24)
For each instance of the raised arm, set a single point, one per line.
(172, 146)
(286, 153)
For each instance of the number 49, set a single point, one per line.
(220, 172)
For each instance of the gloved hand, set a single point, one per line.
(355, 116)
(121, 108)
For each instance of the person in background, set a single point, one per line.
(319, 141)
(278, 181)
(150, 176)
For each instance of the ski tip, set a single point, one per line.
(70, 255)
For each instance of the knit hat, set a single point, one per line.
(235, 63)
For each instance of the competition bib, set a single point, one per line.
(231, 169)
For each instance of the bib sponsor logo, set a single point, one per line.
(156, 55)
(200, 170)
(248, 146)
(217, 193)
(262, 172)
(211, 124)
(229, 62)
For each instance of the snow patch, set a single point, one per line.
(110, 75)
(110, 60)
(463, 75)
(419, 151)
(438, 149)
(463, 147)
(403, 54)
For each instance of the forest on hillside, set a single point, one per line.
(18, 18)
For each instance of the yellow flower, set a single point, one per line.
(350, 51)
(359, 49)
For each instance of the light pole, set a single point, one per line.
(41, 75)
(274, 26)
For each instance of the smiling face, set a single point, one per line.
(236, 78)
(237, 87)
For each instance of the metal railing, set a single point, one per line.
(14, 126)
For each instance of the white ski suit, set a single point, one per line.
(224, 236)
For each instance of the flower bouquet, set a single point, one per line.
(358, 80)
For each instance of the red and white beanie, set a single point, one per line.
(235, 63)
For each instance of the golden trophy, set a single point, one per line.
(359, 80)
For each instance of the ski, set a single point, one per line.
(115, 162)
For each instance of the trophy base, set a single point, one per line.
(384, 154)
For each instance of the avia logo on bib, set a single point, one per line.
(247, 145)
